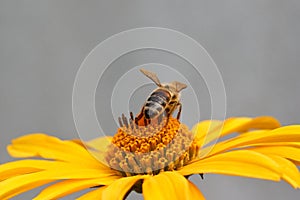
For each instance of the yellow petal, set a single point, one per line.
(170, 185)
(16, 185)
(93, 195)
(41, 145)
(208, 131)
(207, 128)
(20, 167)
(245, 124)
(100, 144)
(67, 187)
(282, 151)
(286, 144)
(243, 140)
(284, 134)
(195, 192)
(98, 148)
(290, 171)
(238, 163)
(119, 188)
(288, 136)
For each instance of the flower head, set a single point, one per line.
(154, 160)
(151, 149)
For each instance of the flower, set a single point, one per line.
(156, 161)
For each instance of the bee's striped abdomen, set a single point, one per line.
(156, 103)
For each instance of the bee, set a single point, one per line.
(162, 101)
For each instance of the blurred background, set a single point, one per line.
(255, 45)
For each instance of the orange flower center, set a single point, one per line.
(151, 149)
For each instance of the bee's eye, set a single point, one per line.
(167, 87)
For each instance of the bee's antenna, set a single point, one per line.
(152, 76)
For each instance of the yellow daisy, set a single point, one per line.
(155, 160)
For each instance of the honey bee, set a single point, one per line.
(162, 101)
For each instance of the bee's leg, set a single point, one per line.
(167, 119)
(140, 116)
(146, 122)
(179, 111)
(160, 118)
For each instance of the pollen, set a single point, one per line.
(151, 149)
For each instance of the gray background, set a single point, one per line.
(255, 44)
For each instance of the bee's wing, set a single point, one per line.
(179, 86)
(152, 76)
